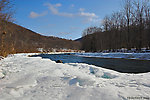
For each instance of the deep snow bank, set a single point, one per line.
(25, 78)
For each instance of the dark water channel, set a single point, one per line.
(120, 65)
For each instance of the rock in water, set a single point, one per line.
(59, 61)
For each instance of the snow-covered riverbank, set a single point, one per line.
(139, 56)
(33, 78)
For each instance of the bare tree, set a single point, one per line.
(127, 9)
(6, 14)
(106, 23)
(91, 30)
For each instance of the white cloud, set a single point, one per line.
(87, 14)
(89, 17)
(55, 11)
(35, 15)
(52, 8)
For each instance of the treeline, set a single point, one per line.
(128, 28)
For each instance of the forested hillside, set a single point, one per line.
(127, 28)
(14, 38)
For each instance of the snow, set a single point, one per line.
(139, 56)
(34, 78)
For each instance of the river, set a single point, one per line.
(120, 65)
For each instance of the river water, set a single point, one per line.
(120, 65)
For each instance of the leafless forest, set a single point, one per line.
(127, 28)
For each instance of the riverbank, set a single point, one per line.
(36, 78)
(137, 56)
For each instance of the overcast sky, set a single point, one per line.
(62, 18)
